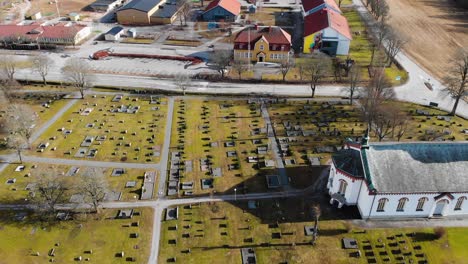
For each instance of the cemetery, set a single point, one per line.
(212, 142)
(276, 230)
(18, 181)
(109, 128)
(102, 238)
(310, 131)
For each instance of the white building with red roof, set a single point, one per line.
(325, 28)
(59, 34)
(262, 44)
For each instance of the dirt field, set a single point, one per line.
(436, 29)
(48, 8)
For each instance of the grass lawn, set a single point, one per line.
(215, 232)
(128, 137)
(17, 192)
(104, 235)
(217, 121)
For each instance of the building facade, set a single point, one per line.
(262, 44)
(149, 12)
(401, 180)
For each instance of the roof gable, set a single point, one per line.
(274, 35)
(325, 18)
(309, 5)
(232, 6)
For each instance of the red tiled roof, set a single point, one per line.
(326, 18)
(233, 6)
(311, 4)
(274, 35)
(35, 31)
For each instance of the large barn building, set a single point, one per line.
(149, 12)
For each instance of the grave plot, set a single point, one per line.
(308, 132)
(18, 182)
(279, 231)
(217, 145)
(97, 128)
(97, 238)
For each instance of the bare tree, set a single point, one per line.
(301, 68)
(457, 80)
(354, 77)
(93, 187)
(400, 127)
(316, 212)
(285, 66)
(317, 68)
(8, 66)
(19, 125)
(395, 43)
(42, 65)
(49, 190)
(185, 10)
(339, 3)
(7, 89)
(384, 121)
(221, 60)
(182, 81)
(375, 94)
(382, 30)
(78, 73)
(239, 67)
(381, 10)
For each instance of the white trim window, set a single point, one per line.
(343, 187)
(421, 202)
(401, 204)
(262, 47)
(381, 205)
(459, 204)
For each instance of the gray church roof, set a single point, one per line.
(417, 167)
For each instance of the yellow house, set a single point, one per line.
(262, 44)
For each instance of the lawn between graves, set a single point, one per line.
(101, 233)
(199, 124)
(128, 137)
(17, 192)
(215, 233)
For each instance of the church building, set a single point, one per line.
(396, 180)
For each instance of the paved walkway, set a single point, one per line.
(165, 151)
(75, 162)
(284, 181)
(58, 115)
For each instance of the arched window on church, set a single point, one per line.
(401, 204)
(459, 204)
(381, 206)
(421, 203)
(343, 186)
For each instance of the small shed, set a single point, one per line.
(74, 16)
(132, 32)
(114, 34)
(36, 16)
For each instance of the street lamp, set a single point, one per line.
(235, 194)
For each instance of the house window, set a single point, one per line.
(381, 206)
(261, 47)
(282, 47)
(343, 186)
(421, 202)
(459, 204)
(401, 204)
(271, 56)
